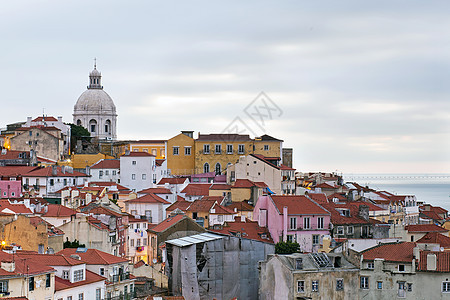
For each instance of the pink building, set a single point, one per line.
(293, 218)
(10, 189)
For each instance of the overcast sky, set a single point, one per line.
(363, 86)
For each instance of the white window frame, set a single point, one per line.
(350, 230)
(445, 286)
(241, 149)
(187, 150)
(364, 282)
(229, 148)
(317, 236)
(340, 230)
(293, 223)
(370, 265)
(206, 149)
(315, 286)
(306, 223)
(300, 286)
(320, 222)
(176, 150)
(218, 149)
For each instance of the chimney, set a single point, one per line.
(54, 170)
(416, 253)
(431, 262)
(28, 121)
(8, 266)
(363, 212)
(285, 223)
(60, 119)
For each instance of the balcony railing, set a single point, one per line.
(119, 277)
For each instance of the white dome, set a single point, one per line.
(93, 101)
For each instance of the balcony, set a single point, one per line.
(119, 277)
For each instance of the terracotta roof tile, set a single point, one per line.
(442, 261)
(298, 205)
(94, 256)
(46, 118)
(177, 180)
(157, 190)
(47, 172)
(240, 206)
(248, 229)
(393, 252)
(107, 164)
(49, 259)
(14, 171)
(196, 189)
(201, 205)
(138, 154)
(171, 220)
(14, 208)
(283, 167)
(180, 204)
(90, 277)
(435, 238)
(57, 210)
(220, 186)
(224, 137)
(148, 198)
(318, 197)
(425, 228)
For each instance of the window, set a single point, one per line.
(206, 168)
(138, 242)
(339, 284)
(144, 176)
(114, 172)
(132, 242)
(47, 280)
(154, 178)
(187, 150)
(370, 265)
(290, 238)
(315, 239)
(409, 287)
(446, 287)
(300, 286)
(133, 176)
(320, 223)
(65, 181)
(401, 268)
(349, 229)
(364, 282)
(100, 174)
(102, 271)
(340, 230)
(380, 285)
(134, 212)
(299, 263)
(306, 223)
(218, 149)
(133, 162)
(205, 149)
(69, 297)
(229, 149)
(31, 284)
(66, 274)
(98, 294)
(266, 147)
(80, 296)
(144, 242)
(241, 149)
(78, 275)
(4, 286)
(315, 286)
(218, 169)
(52, 182)
(176, 150)
(293, 224)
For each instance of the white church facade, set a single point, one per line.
(95, 110)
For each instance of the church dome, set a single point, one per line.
(95, 100)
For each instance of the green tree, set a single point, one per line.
(286, 247)
(74, 244)
(77, 133)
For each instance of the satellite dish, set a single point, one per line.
(154, 260)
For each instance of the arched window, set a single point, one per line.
(107, 126)
(92, 126)
(218, 169)
(206, 168)
(79, 122)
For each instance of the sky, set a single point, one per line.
(353, 86)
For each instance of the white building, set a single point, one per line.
(150, 207)
(137, 170)
(95, 110)
(105, 170)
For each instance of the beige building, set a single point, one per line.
(257, 168)
(46, 142)
(180, 153)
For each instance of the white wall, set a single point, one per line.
(142, 167)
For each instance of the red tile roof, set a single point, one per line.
(248, 229)
(425, 228)
(240, 206)
(283, 167)
(157, 190)
(337, 218)
(339, 196)
(266, 160)
(57, 210)
(180, 204)
(201, 205)
(159, 162)
(51, 260)
(94, 256)
(46, 118)
(23, 266)
(393, 252)
(298, 205)
(171, 220)
(14, 154)
(107, 164)
(51, 230)
(435, 238)
(246, 183)
(90, 277)
(137, 154)
(108, 184)
(430, 214)
(318, 197)
(178, 180)
(101, 210)
(196, 189)
(442, 261)
(47, 172)
(148, 198)
(14, 171)
(220, 186)
(221, 210)
(139, 264)
(17, 208)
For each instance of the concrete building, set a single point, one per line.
(95, 110)
(137, 170)
(149, 207)
(49, 121)
(105, 170)
(308, 276)
(208, 266)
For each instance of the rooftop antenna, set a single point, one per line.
(95, 62)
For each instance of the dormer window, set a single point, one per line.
(298, 263)
(78, 275)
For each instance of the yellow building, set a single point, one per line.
(22, 231)
(214, 152)
(154, 147)
(81, 161)
(181, 154)
(268, 146)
